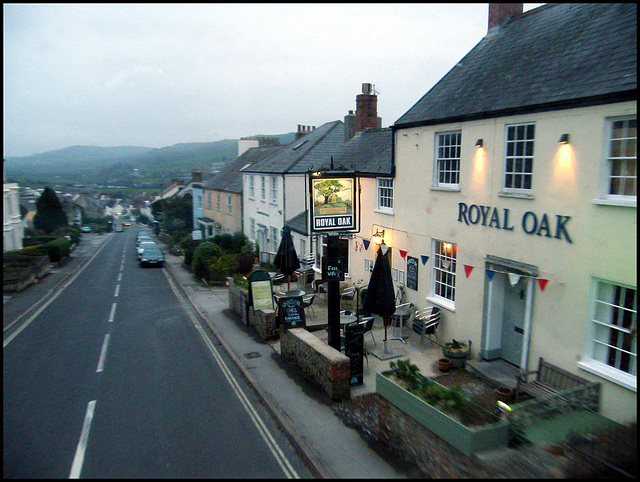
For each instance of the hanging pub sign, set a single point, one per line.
(333, 202)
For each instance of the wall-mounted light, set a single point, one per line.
(479, 143)
(378, 238)
(564, 139)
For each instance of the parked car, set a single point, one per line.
(152, 257)
(85, 229)
(119, 228)
(143, 246)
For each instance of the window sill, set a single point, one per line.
(442, 303)
(624, 203)
(443, 188)
(383, 211)
(611, 374)
(517, 195)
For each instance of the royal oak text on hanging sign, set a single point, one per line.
(531, 223)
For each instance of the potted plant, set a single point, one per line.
(457, 352)
(444, 364)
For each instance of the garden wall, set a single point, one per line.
(318, 361)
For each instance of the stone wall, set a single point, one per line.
(318, 361)
(264, 321)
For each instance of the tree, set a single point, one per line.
(49, 215)
(328, 188)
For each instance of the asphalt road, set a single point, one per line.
(116, 377)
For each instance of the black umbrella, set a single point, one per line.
(286, 259)
(380, 298)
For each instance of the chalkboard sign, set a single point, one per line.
(354, 349)
(333, 269)
(291, 312)
(412, 273)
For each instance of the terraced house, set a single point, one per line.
(515, 187)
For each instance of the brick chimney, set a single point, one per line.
(304, 130)
(196, 175)
(499, 13)
(366, 109)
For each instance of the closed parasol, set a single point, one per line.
(286, 259)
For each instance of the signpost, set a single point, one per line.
(334, 210)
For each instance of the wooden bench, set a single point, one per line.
(549, 380)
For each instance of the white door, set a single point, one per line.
(513, 318)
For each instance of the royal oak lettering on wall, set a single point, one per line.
(531, 223)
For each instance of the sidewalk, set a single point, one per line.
(333, 449)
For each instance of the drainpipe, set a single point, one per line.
(487, 341)
(527, 326)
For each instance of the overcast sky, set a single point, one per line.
(157, 75)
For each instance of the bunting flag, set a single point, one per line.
(384, 248)
(403, 253)
(468, 269)
(490, 274)
(542, 283)
(514, 278)
(365, 242)
(424, 259)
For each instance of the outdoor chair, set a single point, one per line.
(307, 302)
(425, 322)
(348, 294)
(369, 326)
(277, 280)
(319, 287)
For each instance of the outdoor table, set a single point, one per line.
(346, 319)
(398, 319)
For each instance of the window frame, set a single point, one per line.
(229, 204)
(274, 189)
(440, 271)
(593, 362)
(605, 186)
(438, 159)
(514, 157)
(252, 187)
(380, 191)
(263, 188)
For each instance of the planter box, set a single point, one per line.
(466, 439)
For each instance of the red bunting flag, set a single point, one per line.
(542, 283)
(403, 253)
(468, 269)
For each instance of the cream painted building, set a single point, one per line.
(515, 196)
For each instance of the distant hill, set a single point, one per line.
(74, 157)
(116, 164)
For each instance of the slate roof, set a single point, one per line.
(298, 223)
(311, 151)
(368, 153)
(229, 179)
(555, 56)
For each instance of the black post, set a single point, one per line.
(333, 297)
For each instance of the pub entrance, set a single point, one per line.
(508, 304)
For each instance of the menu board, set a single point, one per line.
(412, 273)
(260, 291)
(291, 312)
(354, 349)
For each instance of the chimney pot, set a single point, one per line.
(499, 13)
